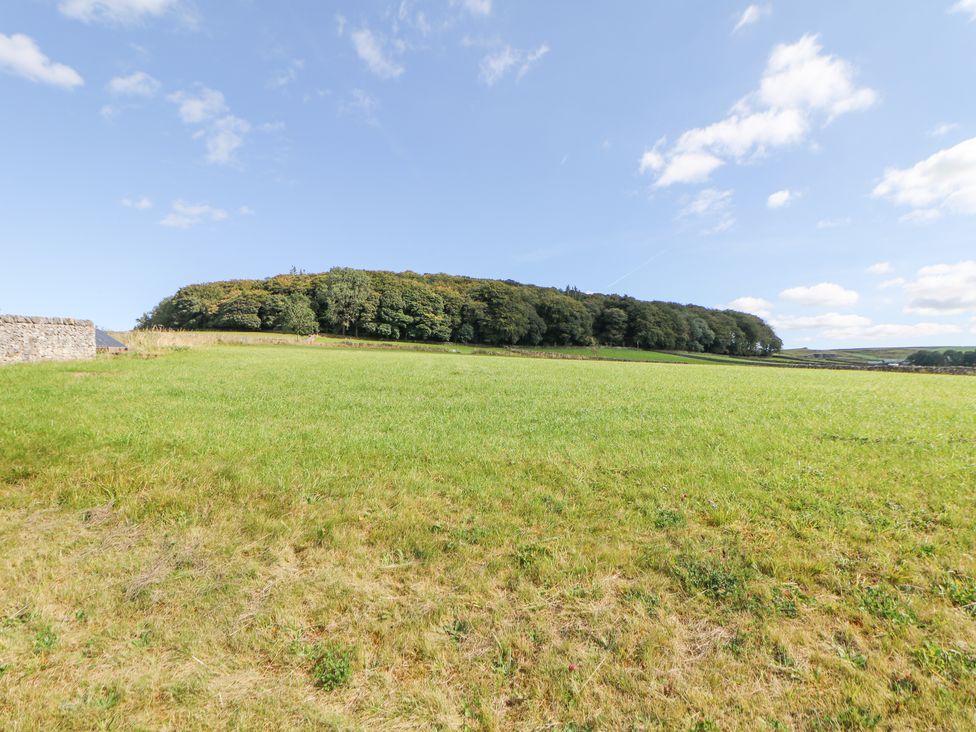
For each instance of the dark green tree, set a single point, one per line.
(346, 299)
(296, 316)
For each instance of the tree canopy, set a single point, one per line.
(942, 358)
(439, 307)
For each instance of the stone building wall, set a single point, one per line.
(45, 339)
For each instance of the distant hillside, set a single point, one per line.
(438, 307)
(864, 355)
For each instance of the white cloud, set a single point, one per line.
(816, 322)
(201, 106)
(187, 215)
(714, 206)
(755, 305)
(245, 211)
(224, 137)
(690, 167)
(942, 183)
(904, 331)
(889, 331)
(943, 128)
(825, 294)
(799, 76)
(139, 84)
(369, 48)
(752, 14)
(880, 268)
(965, 6)
(21, 56)
(142, 203)
(800, 83)
(121, 12)
(893, 282)
(943, 289)
(222, 132)
(843, 327)
(496, 65)
(780, 199)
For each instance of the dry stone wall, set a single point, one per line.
(45, 339)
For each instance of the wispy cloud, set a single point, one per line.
(200, 106)
(713, 207)
(751, 15)
(288, 75)
(138, 84)
(781, 199)
(966, 7)
(943, 128)
(21, 56)
(475, 7)
(371, 49)
(361, 104)
(124, 12)
(850, 327)
(187, 215)
(497, 64)
(834, 223)
(142, 203)
(223, 133)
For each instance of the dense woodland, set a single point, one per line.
(437, 307)
(942, 358)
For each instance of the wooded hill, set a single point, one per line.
(438, 307)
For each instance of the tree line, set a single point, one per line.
(439, 307)
(942, 358)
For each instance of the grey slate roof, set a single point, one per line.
(104, 340)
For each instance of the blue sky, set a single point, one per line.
(811, 162)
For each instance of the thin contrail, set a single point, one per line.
(641, 266)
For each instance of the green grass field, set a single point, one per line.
(281, 536)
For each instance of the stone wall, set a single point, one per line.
(45, 339)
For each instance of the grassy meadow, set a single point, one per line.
(260, 536)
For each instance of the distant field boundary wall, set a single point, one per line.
(29, 339)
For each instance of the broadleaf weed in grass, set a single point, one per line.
(959, 590)
(665, 518)
(711, 578)
(884, 604)
(45, 639)
(851, 717)
(332, 667)
(904, 685)
(646, 600)
(852, 656)
(949, 663)
(106, 698)
(504, 659)
(458, 630)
